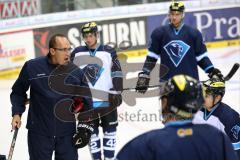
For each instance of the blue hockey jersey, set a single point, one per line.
(179, 140)
(181, 51)
(225, 119)
(42, 118)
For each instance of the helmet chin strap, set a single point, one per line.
(214, 98)
(183, 15)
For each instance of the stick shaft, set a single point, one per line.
(13, 144)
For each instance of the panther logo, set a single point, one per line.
(176, 51)
(92, 72)
(235, 131)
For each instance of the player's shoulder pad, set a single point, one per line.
(192, 30)
(79, 49)
(109, 49)
(157, 32)
(159, 29)
(229, 111)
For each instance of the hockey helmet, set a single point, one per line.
(185, 95)
(90, 27)
(177, 6)
(214, 86)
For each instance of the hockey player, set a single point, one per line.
(219, 114)
(46, 133)
(179, 47)
(106, 76)
(180, 139)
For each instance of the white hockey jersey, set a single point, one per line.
(225, 119)
(101, 69)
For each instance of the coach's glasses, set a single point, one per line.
(64, 49)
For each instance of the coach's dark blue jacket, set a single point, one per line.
(41, 117)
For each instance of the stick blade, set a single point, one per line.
(232, 72)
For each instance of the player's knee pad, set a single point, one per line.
(95, 143)
(95, 146)
(109, 142)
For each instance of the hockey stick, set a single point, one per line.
(232, 72)
(13, 144)
(226, 78)
(151, 86)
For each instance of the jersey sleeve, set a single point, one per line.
(201, 53)
(155, 43)
(18, 95)
(228, 149)
(116, 72)
(233, 130)
(153, 51)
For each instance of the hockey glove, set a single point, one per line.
(215, 73)
(115, 99)
(77, 105)
(143, 82)
(83, 135)
(3, 157)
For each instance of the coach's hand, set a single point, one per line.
(16, 121)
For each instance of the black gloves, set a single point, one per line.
(83, 135)
(2, 157)
(215, 73)
(143, 82)
(115, 99)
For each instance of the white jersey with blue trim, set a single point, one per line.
(201, 118)
(100, 67)
(225, 119)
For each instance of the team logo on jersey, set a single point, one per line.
(176, 51)
(235, 130)
(184, 132)
(92, 72)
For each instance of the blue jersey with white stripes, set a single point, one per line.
(224, 118)
(180, 50)
(180, 140)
